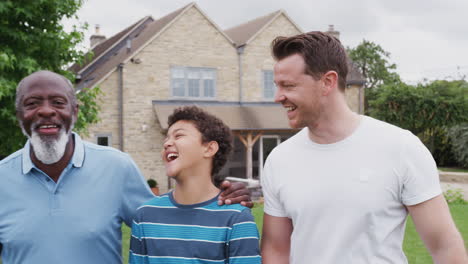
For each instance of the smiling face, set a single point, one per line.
(46, 114)
(298, 92)
(184, 153)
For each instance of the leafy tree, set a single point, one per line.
(32, 38)
(426, 110)
(373, 62)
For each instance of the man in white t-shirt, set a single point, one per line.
(340, 190)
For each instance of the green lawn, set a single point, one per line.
(453, 169)
(413, 246)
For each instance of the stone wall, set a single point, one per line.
(352, 97)
(108, 101)
(257, 57)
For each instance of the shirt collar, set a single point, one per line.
(77, 158)
(27, 162)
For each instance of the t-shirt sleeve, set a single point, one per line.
(419, 170)
(244, 240)
(138, 253)
(135, 191)
(273, 205)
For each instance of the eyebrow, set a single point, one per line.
(284, 81)
(178, 129)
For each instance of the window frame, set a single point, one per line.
(201, 82)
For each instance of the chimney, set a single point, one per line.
(96, 38)
(331, 31)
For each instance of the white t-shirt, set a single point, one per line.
(347, 199)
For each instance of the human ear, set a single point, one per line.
(210, 149)
(76, 109)
(330, 82)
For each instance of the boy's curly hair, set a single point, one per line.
(211, 128)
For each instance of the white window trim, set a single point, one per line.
(215, 77)
(260, 151)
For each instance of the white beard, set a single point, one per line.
(48, 150)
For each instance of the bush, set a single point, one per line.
(454, 196)
(152, 183)
(442, 148)
(459, 139)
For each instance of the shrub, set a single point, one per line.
(152, 183)
(454, 196)
(442, 148)
(459, 139)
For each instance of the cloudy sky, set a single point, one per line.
(426, 39)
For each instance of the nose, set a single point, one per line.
(167, 143)
(279, 96)
(46, 110)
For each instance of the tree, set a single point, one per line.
(32, 38)
(427, 110)
(373, 62)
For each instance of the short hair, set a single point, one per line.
(321, 53)
(211, 129)
(69, 86)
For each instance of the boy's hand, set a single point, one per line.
(235, 192)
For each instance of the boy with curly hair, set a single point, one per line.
(187, 225)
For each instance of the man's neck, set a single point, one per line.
(55, 170)
(195, 190)
(334, 125)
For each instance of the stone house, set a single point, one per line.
(155, 65)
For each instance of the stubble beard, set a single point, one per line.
(308, 118)
(48, 150)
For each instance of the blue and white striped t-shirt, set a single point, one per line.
(167, 232)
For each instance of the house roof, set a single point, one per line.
(244, 33)
(241, 34)
(119, 48)
(102, 47)
(246, 116)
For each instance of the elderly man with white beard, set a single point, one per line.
(63, 200)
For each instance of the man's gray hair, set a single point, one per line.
(70, 89)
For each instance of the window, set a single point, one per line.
(193, 82)
(269, 87)
(104, 140)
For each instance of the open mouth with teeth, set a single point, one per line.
(48, 129)
(290, 108)
(172, 156)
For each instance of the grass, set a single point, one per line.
(453, 169)
(412, 245)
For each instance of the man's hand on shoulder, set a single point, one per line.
(235, 192)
